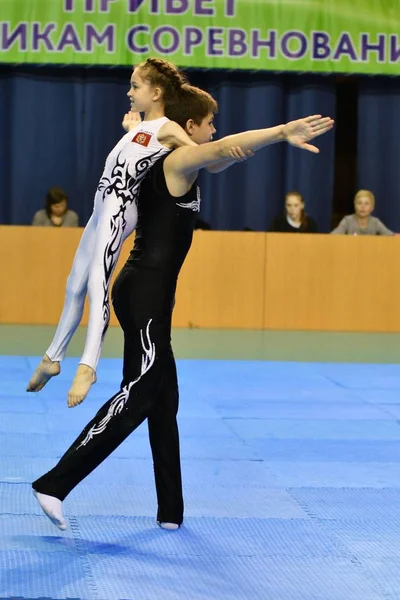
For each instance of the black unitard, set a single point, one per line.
(143, 298)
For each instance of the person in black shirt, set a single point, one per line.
(143, 298)
(295, 219)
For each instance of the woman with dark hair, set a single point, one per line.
(295, 219)
(56, 212)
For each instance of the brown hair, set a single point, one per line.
(367, 193)
(303, 214)
(54, 196)
(162, 73)
(191, 103)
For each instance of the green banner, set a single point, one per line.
(342, 36)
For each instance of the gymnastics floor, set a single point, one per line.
(291, 471)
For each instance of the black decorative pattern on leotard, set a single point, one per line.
(126, 186)
(123, 183)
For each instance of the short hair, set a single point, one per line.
(367, 193)
(192, 103)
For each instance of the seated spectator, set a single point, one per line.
(362, 222)
(56, 212)
(295, 219)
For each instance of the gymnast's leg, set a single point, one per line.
(72, 311)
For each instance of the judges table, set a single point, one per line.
(230, 280)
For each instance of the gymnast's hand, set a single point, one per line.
(299, 132)
(131, 120)
(237, 154)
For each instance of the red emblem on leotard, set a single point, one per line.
(142, 138)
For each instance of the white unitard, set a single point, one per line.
(113, 219)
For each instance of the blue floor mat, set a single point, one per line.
(291, 478)
(349, 503)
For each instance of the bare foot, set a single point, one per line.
(84, 378)
(46, 369)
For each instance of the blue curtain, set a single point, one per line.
(251, 194)
(379, 146)
(58, 124)
(56, 127)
